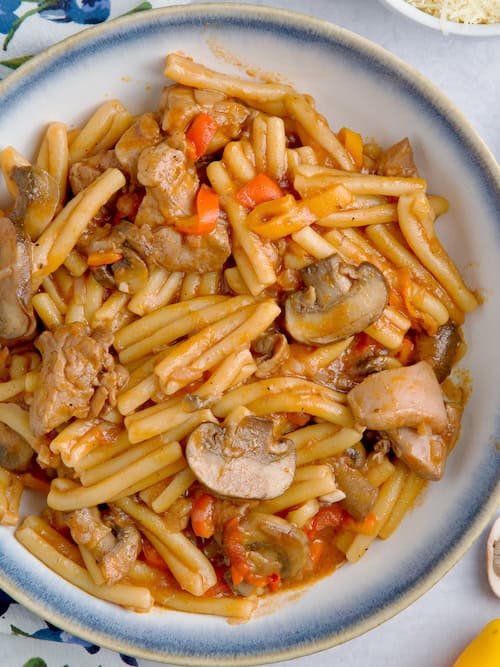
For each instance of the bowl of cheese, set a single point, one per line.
(469, 18)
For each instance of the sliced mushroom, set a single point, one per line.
(360, 494)
(15, 452)
(440, 350)
(273, 545)
(115, 547)
(493, 557)
(38, 198)
(275, 351)
(340, 300)
(244, 461)
(115, 563)
(17, 320)
(131, 272)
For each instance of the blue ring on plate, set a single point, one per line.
(256, 644)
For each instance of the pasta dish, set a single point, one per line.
(226, 333)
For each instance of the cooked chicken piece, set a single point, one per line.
(17, 320)
(409, 396)
(397, 161)
(426, 453)
(143, 134)
(180, 104)
(171, 182)
(73, 364)
(85, 172)
(178, 252)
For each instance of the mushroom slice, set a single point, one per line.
(340, 300)
(131, 272)
(274, 545)
(244, 461)
(439, 350)
(17, 321)
(15, 452)
(38, 198)
(493, 557)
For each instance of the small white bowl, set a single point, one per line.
(446, 27)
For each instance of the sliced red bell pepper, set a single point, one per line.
(259, 190)
(203, 516)
(199, 135)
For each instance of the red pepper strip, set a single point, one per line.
(259, 190)
(316, 550)
(199, 135)
(240, 567)
(202, 516)
(207, 214)
(101, 258)
(366, 527)
(326, 516)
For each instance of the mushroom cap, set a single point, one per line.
(276, 540)
(241, 462)
(15, 452)
(340, 300)
(17, 320)
(38, 197)
(493, 558)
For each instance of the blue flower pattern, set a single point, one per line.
(84, 12)
(7, 16)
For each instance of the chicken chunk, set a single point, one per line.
(180, 104)
(143, 134)
(74, 364)
(399, 397)
(397, 160)
(85, 172)
(171, 182)
(178, 252)
(426, 453)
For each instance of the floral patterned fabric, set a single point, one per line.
(28, 27)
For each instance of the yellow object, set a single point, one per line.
(484, 650)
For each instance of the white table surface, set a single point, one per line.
(435, 628)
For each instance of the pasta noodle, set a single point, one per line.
(230, 329)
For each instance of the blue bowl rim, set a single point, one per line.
(463, 132)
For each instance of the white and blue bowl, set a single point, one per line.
(356, 84)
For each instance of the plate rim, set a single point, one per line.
(462, 126)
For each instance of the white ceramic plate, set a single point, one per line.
(357, 84)
(446, 27)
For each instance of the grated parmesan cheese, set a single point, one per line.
(461, 11)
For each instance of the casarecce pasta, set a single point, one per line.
(226, 331)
